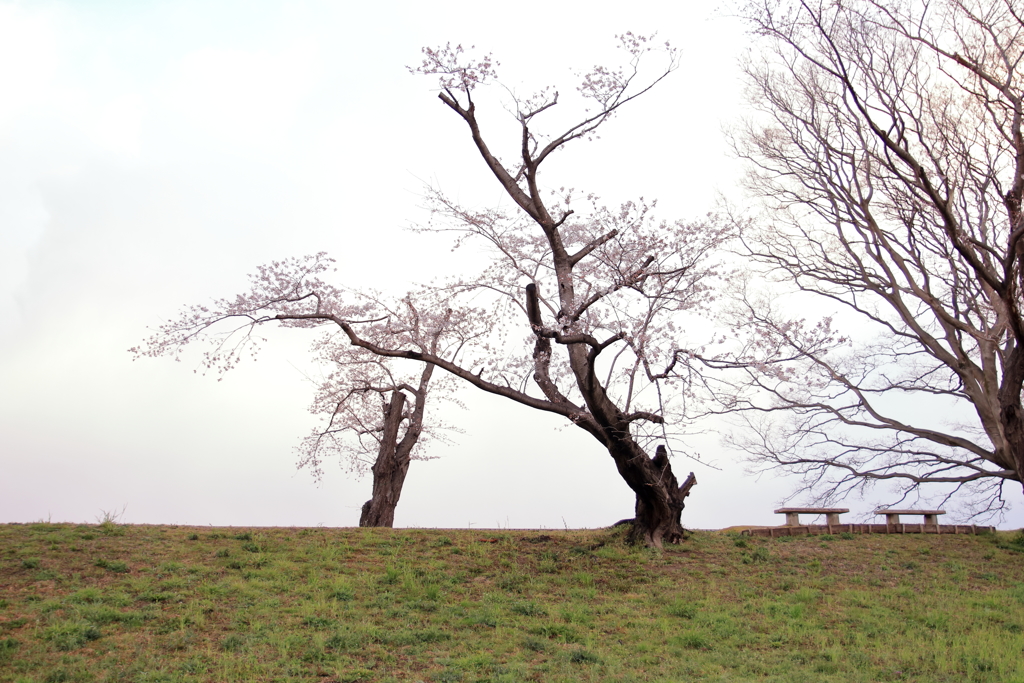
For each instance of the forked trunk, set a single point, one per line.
(659, 497)
(393, 457)
(389, 471)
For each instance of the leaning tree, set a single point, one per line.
(581, 309)
(372, 408)
(888, 150)
(602, 295)
(373, 417)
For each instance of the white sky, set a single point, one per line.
(152, 154)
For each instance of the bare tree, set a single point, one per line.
(889, 153)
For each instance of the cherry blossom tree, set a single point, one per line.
(373, 408)
(373, 417)
(888, 150)
(582, 310)
(603, 294)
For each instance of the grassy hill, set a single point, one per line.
(163, 603)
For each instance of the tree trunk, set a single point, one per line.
(659, 497)
(1011, 413)
(389, 471)
(654, 524)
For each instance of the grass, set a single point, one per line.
(113, 602)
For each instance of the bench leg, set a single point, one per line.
(832, 518)
(792, 519)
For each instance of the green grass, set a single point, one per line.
(122, 603)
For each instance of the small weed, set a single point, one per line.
(684, 610)
(223, 552)
(259, 562)
(391, 576)
(740, 542)
(756, 556)
(233, 643)
(511, 582)
(115, 566)
(583, 657)
(193, 537)
(30, 563)
(535, 644)
(483, 618)
(694, 641)
(584, 579)
(529, 609)
(342, 593)
(806, 595)
(243, 536)
(556, 631)
(345, 641)
(318, 622)
(428, 606)
(71, 635)
(1016, 544)
(107, 522)
(251, 548)
(442, 542)
(847, 536)
(7, 648)
(414, 637)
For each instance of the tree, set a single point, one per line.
(368, 421)
(591, 301)
(605, 289)
(888, 151)
(367, 418)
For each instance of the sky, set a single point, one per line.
(153, 154)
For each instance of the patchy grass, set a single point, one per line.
(114, 602)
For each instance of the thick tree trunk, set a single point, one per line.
(393, 457)
(389, 471)
(661, 523)
(659, 497)
(1011, 413)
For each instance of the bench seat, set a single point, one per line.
(892, 516)
(793, 514)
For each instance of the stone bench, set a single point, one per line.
(793, 514)
(892, 517)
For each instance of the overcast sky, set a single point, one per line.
(152, 154)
